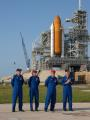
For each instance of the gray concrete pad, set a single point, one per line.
(81, 112)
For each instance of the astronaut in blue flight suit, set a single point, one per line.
(33, 83)
(67, 90)
(51, 84)
(17, 83)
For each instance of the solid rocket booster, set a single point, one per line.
(57, 36)
(52, 40)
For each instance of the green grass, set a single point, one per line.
(6, 94)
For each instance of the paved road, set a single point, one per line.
(81, 112)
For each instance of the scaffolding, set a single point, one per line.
(41, 51)
(75, 40)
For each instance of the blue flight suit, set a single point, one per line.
(34, 91)
(17, 83)
(67, 93)
(50, 83)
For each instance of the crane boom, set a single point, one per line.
(25, 52)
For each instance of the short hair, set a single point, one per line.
(34, 71)
(67, 70)
(18, 69)
(53, 71)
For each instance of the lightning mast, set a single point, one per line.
(80, 4)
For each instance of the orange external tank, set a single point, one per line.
(57, 36)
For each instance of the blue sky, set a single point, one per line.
(29, 17)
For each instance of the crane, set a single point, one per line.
(27, 60)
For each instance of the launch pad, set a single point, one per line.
(63, 47)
